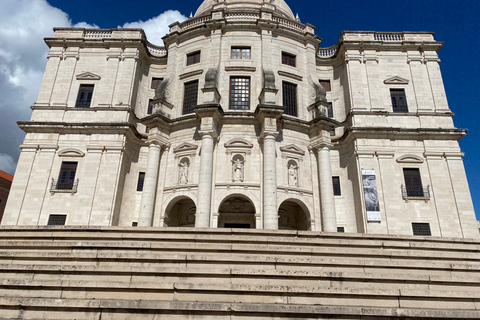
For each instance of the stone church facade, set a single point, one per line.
(242, 121)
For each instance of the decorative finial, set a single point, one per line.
(297, 18)
(191, 15)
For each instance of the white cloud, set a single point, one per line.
(157, 27)
(23, 26)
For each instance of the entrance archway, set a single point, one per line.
(180, 213)
(293, 216)
(236, 211)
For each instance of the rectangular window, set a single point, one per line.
(150, 107)
(330, 110)
(190, 97)
(290, 98)
(56, 219)
(240, 53)
(413, 182)
(326, 85)
(193, 58)
(84, 98)
(134, 224)
(156, 82)
(341, 229)
(239, 93)
(399, 100)
(421, 229)
(336, 186)
(141, 180)
(66, 178)
(288, 59)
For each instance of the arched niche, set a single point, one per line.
(236, 211)
(293, 215)
(180, 212)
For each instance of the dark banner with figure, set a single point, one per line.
(371, 195)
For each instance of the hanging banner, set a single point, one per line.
(371, 195)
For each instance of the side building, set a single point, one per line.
(242, 121)
(5, 185)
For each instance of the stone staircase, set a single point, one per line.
(179, 273)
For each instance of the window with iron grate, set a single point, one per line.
(190, 97)
(336, 186)
(421, 229)
(193, 58)
(239, 93)
(341, 229)
(290, 98)
(326, 85)
(288, 59)
(413, 182)
(85, 94)
(141, 180)
(399, 100)
(57, 219)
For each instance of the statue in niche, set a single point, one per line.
(293, 175)
(183, 172)
(237, 169)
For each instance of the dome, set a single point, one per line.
(280, 6)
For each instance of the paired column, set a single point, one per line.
(202, 217)
(327, 200)
(145, 216)
(270, 214)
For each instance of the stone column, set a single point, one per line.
(202, 218)
(270, 214)
(145, 216)
(327, 200)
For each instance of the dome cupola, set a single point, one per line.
(279, 6)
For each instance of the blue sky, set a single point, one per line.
(454, 22)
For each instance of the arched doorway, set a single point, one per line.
(293, 216)
(236, 211)
(180, 213)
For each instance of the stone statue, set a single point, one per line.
(183, 173)
(237, 170)
(293, 175)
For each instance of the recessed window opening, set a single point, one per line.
(288, 59)
(84, 98)
(413, 182)
(239, 93)
(290, 98)
(56, 219)
(421, 229)
(193, 58)
(399, 100)
(240, 53)
(190, 96)
(66, 178)
(326, 85)
(336, 186)
(141, 180)
(156, 82)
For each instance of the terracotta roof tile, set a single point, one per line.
(6, 176)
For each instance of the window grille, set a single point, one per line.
(141, 180)
(413, 182)
(239, 93)
(399, 100)
(326, 85)
(156, 82)
(134, 224)
(421, 229)
(190, 96)
(57, 219)
(336, 186)
(288, 59)
(330, 110)
(341, 229)
(240, 53)
(84, 98)
(290, 98)
(193, 58)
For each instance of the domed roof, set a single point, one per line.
(280, 6)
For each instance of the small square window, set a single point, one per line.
(341, 229)
(156, 82)
(240, 53)
(336, 186)
(399, 100)
(56, 219)
(288, 59)
(134, 224)
(141, 180)
(421, 229)
(193, 58)
(84, 98)
(326, 85)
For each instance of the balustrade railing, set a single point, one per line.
(64, 185)
(390, 37)
(423, 193)
(327, 52)
(156, 50)
(97, 34)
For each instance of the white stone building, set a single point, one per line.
(241, 120)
